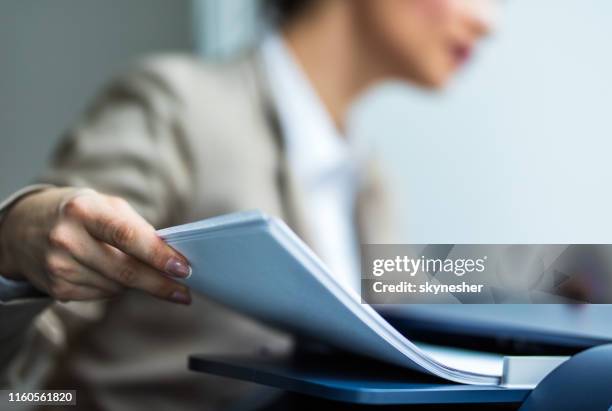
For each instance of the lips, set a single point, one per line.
(461, 53)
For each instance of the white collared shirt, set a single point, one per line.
(323, 161)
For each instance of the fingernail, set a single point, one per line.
(180, 297)
(178, 268)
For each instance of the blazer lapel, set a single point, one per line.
(375, 217)
(292, 196)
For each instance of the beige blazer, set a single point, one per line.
(181, 140)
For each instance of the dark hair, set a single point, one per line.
(282, 11)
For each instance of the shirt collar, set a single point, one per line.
(315, 147)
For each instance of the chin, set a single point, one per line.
(431, 81)
(438, 83)
(433, 76)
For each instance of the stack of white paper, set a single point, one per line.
(258, 266)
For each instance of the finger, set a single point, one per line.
(84, 293)
(129, 272)
(65, 291)
(134, 236)
(80, 274)
(63, 265)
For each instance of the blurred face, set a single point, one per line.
(424, 41)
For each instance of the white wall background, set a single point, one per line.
(222, 27)
(519, 149)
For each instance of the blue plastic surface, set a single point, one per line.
(353, 380)
(575, 327)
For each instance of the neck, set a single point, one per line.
(327, 46)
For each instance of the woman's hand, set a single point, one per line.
(77, 244)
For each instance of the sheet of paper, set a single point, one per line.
(258, 266)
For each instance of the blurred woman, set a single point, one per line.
(176, 139)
